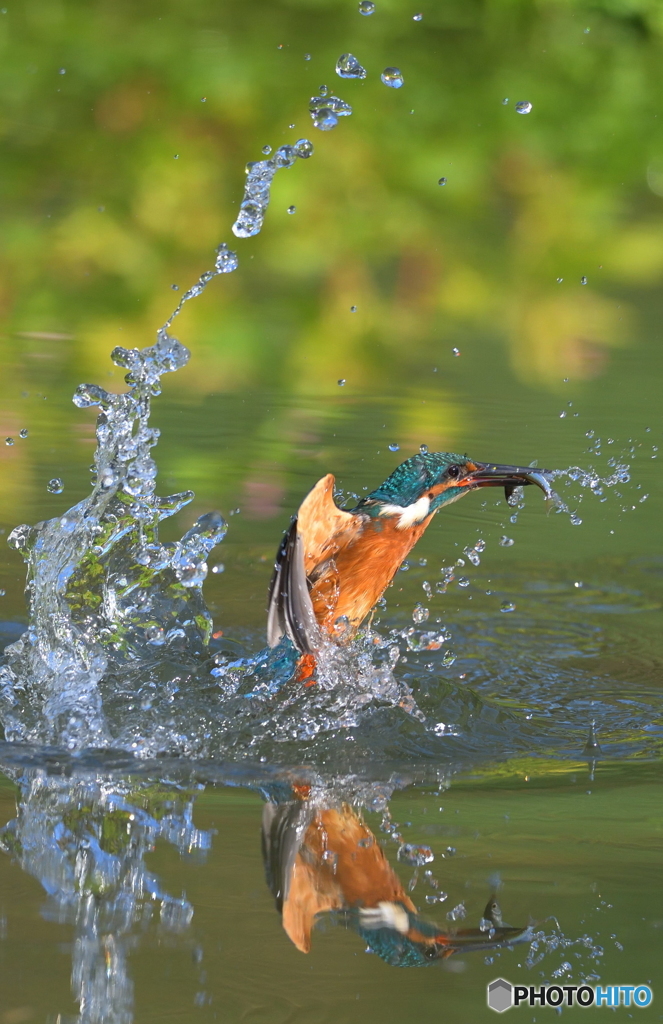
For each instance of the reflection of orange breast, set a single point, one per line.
(339, 865)
(361, 570)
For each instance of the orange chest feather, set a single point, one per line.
(361, 567)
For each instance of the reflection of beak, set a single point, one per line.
(509, 477)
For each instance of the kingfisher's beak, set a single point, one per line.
(485, 474)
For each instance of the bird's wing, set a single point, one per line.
(313, 538)
(324, 526)
(290, 611)
(283, 829)
(296, 884)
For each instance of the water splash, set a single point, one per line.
(102, 589)
(259, 177)
(588, 481)
(85, 841)
(226, 262)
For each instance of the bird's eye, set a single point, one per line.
(453, 471)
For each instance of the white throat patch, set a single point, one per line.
(408, 515)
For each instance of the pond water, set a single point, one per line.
(497, 732)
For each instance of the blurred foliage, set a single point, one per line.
(125, 131)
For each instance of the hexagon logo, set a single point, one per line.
(500, 995)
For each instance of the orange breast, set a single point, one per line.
(340, 864)
(361, 570)
(348, 559)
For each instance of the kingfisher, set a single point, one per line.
(334, 564)
(324, 861)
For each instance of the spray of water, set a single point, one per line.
(104, 594)
(85, 841)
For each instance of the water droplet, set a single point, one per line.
(417, 17)
(203, 99)
(341, 382)
(303, 148)
(589, 433)
(2, 593)
(155, 635)
(458, 913)
(55, 486)
(448, 658)
(562, 415)
(9, 441)
(456, 351)
(347, 66)
(394, 447)
(506, 542)
(326, 110)
(62, 71)
(442, 181)
(463, 581)
(325, 119)
(417, 856)
(505, 101)
(107, 478)
(523, 107)
(366, 7)
(226, 260)
(507, 606)
(473, 555)
(176, 157)
(559, 280)
(583, 280)
(175, 287)
(307, 56)
(266, 150)
(218, 568)
(420, 613)
(292, 209)
(423, 448)
(575, 519)
(23, 433)
(392, 77)
(586, 31)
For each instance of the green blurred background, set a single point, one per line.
(125, 130)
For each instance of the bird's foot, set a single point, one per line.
(305, 672)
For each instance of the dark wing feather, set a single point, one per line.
(283, 830)
(290, 610)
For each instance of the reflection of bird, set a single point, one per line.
(326, 860)
(333, 565)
